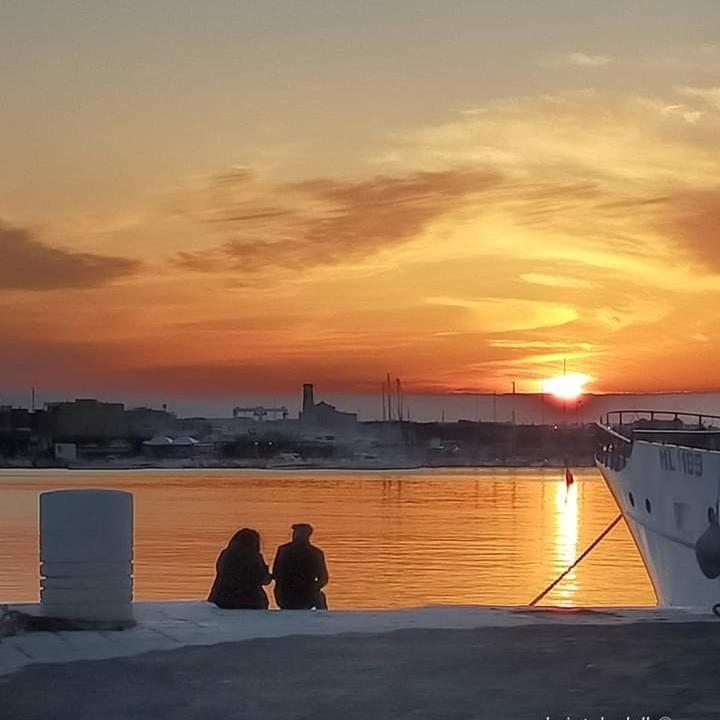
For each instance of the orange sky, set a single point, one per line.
(162, 227)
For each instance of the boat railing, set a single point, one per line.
(623, 421)
(623, 427)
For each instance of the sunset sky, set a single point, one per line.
(212, 199)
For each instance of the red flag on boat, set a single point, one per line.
(569, 479)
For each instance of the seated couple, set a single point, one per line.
(299, 572)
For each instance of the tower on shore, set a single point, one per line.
(308, 397)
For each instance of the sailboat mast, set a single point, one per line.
(399, 403)
(389, 398)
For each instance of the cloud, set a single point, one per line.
(635, 313)
(692, 219)
(492, 315)
(710, 95)
(542, 345)
(585, 137)
(601, 182)
(28, 264)
(531, 229)
(575, 59)
(606, 182)
(327, 221)
(557, 281)
(688, 115)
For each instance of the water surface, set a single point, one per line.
(392, 539)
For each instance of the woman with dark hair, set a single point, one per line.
(241, 574)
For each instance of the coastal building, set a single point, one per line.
(183, 446)
(258, 427)
(145, 423)
(199, 427)
(15, 420)
(325, 417)
(86, 419)
(21, 432)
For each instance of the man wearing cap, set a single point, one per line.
(300, 572)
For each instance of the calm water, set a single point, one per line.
(396, 539)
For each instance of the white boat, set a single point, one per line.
(664, 470)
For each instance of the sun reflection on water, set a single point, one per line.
(566, 540)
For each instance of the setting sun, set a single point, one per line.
(566, 387)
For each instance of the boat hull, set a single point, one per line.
(666, 494)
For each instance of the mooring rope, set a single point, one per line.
(594, 544)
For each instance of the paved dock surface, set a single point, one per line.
(476, 664)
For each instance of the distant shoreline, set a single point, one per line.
(85, 467)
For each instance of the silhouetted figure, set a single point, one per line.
(241, 573)
(300, 572)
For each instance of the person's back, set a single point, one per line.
(300, 573)
(241, 573)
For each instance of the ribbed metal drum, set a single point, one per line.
(86, 553)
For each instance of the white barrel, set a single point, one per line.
(86, 553)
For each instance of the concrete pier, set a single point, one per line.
(192, 660)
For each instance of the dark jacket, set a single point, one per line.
(300, 574)
(239, 580)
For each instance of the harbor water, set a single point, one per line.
(392, 539)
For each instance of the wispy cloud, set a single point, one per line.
(326, 221)
(491, 315)
(575, 59)
(558, 281)
(689, 115)
(28, 264)
(710, 95)
(692, 219)
(603, 180)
